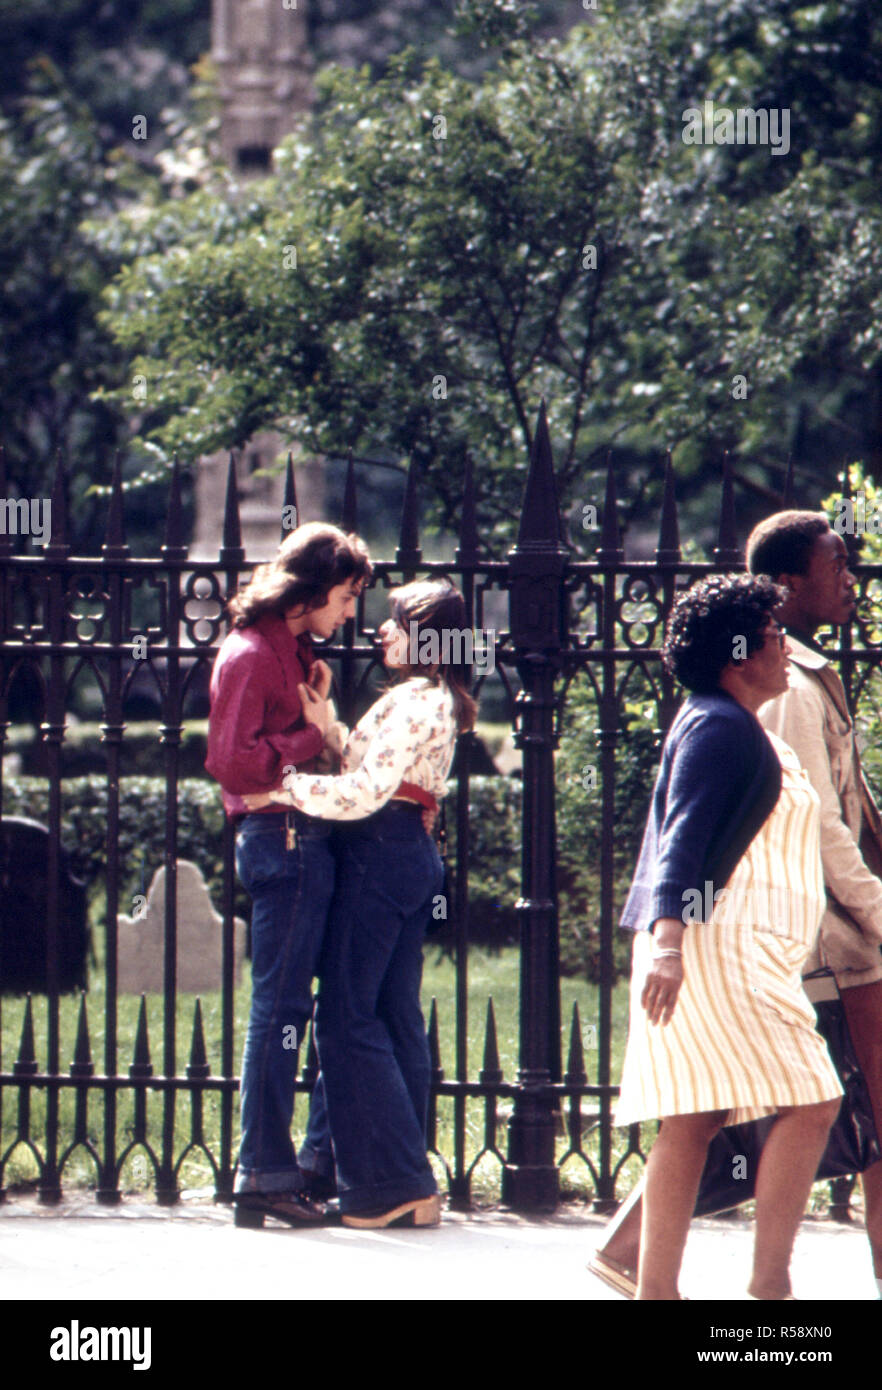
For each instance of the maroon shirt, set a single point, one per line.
(256, 726)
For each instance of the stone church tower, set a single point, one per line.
(260, 49)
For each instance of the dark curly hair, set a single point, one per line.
(707, 619)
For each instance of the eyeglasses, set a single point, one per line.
(773, 630)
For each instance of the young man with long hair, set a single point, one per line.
(256, 729)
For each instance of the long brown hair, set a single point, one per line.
(310, 562)
(436, 605)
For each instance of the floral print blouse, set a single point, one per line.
(407, 736)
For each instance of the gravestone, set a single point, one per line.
(200, 938)
(24, 910)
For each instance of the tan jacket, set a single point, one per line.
(813, 718)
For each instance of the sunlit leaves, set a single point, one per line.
(441, 226)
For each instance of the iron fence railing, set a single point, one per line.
(65, 618)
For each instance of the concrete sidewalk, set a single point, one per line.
(141, 1251)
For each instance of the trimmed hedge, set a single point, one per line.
(84, 753)
(495, 828)
(495, 859)
(200, 821)
(579, 815)
(494, 816)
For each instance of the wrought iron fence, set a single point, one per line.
(64, 615)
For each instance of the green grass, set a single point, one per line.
(496, 977)
(493, 976)
(489, 976)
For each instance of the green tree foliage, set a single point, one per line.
(414, 278)
(861, 526)
(354, 32)
(76, 76)
(121, 60)
(58, 364)
(455, 250)
(53, 354)
(778, 258)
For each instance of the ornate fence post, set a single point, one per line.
(538, 626)
(608, 732)
(115, 553)
(53, 729)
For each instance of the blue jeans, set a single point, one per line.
(316, 1154)
(290, 893)
(370, 1030)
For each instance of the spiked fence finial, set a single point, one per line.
(668, 548)
(408, 555)
(610, 538)
(174, 547)
(231, 549)
(198, 1064)
(467, 550)
(114, 547)
(726, 549)
(350, 499)
(491, 1072)
(58, 545)
(540, 525)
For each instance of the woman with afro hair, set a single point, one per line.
(725, 906)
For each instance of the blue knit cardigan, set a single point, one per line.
(718, 781)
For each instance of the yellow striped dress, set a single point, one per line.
(742, 1038)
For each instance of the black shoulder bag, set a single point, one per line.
(729, 1176)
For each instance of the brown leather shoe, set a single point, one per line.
(293, 1207)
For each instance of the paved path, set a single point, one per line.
(140, 1251)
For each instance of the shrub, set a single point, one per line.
(579, 825)
(83, 751)
(495, 827)
(141, 825)
(495, 860)
(868, 718)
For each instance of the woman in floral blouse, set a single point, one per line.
(370, 1030)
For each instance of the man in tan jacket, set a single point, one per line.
(807, 558)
